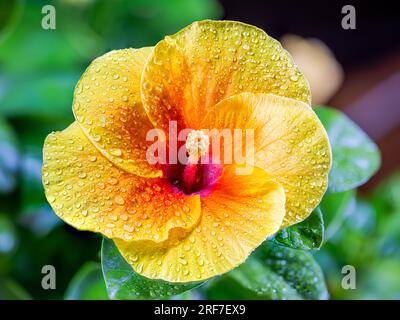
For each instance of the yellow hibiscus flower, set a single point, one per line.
(189, 222)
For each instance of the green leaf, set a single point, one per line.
(381, 281)
(11, 290)
(355, 156)
(48, 50)
(362, 217)
(124, 283)
(87, 284)
(387, 193)
(335, 208)
(272, 272)
(8, 236)
(10, 16)
(168, 17)
(8, 157)
(46, 95)
(386, 203)
(306, 235)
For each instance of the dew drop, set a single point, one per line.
(82, 175)
(119, 200)
(116, 152)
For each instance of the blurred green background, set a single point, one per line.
(38, 71)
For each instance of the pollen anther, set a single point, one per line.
(197, 144)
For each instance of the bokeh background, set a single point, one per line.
(356, 71)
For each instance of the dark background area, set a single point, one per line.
(377, 31)
(369, 55)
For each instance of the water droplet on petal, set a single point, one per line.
(119, 200)
(116, 152)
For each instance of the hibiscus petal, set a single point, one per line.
(90, 193)
(237, 216)
(108, 107)
(290, 144)
(191, 71)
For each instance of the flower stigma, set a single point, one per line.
(197, 145)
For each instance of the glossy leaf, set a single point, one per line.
(124, 283)
(306, 235)
(362, 217)
(87, 284)
(335, 208)
(355, 156)
(273, 272)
